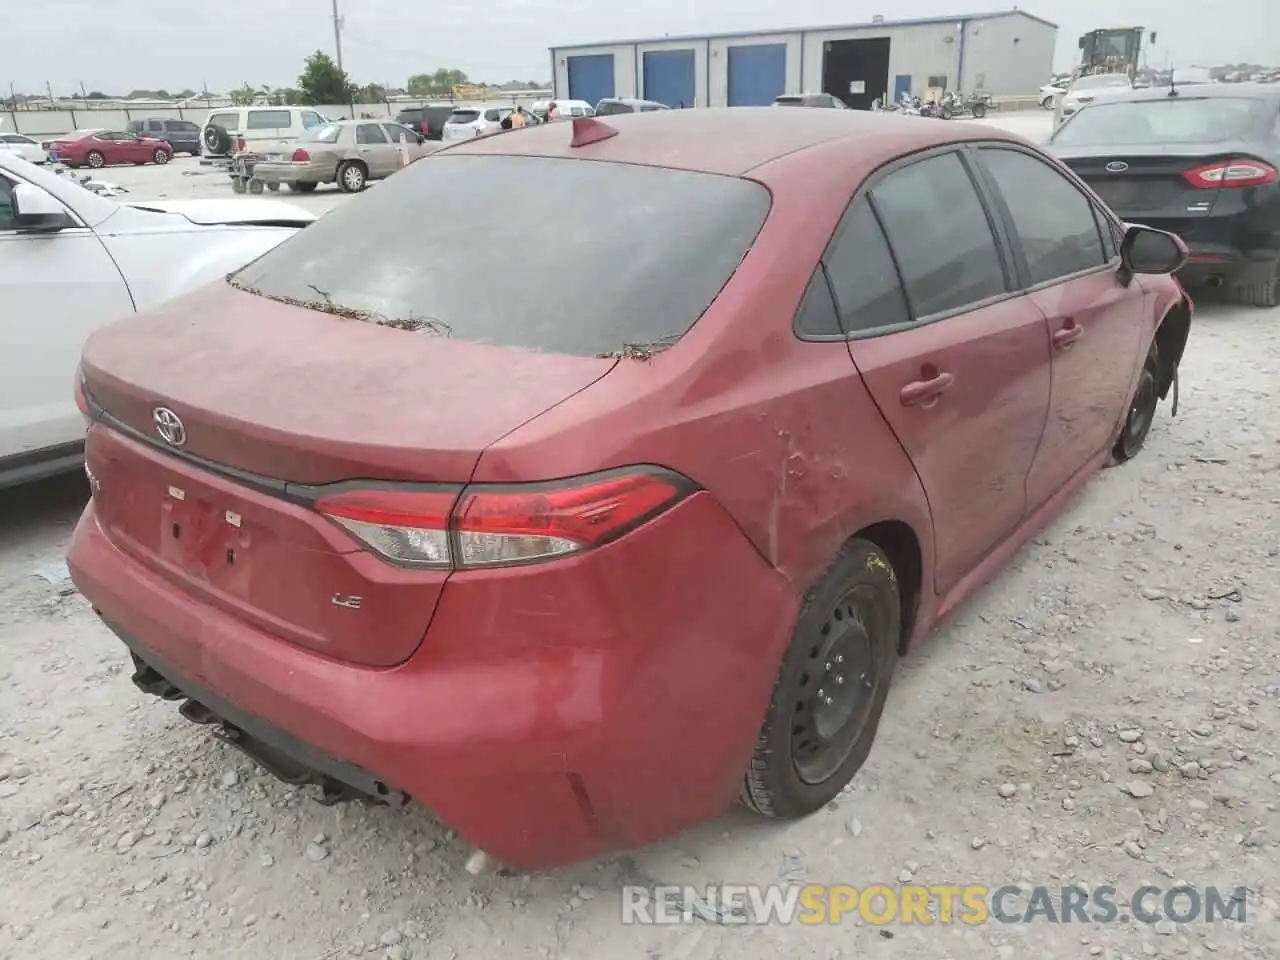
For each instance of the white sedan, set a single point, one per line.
(72, 261)
(24, 147)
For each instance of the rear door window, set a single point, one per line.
(492, 115)
(269, 120)
(154, 126)
(1053, 222)
(658, 245)
(228, 121)
(863, 276)
(395, 133)
(370, 133)
(940, 235)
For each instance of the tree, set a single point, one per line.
(322, 82)
(373, 93)
(96, 95)
(245, 94)
(438, 84)
(186, 94)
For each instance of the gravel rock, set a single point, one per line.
(1007, 790)
(1139, 789)
(315, 853)
(1129, 736)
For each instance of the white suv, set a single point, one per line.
(467, 122)
(257, 130)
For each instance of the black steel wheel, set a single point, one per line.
(979, 110)
(1142, 410)
(831, 688)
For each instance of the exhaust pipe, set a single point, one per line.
(1214, 281)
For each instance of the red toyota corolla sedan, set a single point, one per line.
(104, 148)
(576, 563)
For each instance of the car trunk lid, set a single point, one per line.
(1141, 182)
(274, 400)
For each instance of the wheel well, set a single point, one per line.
(1171, 340)
(900, 545)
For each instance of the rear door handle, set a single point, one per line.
(922, 392)
(1068, 335)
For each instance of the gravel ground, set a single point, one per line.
(1101, 714)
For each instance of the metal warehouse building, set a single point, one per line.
(1008, 53)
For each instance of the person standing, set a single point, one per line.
(553, 112)
(517, 118)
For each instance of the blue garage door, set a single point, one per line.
(757, 74)
(591, 78)
(669, 77)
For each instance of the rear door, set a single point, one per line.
(376, 150)
(270, 132)
(1071, 270)
(956, 359)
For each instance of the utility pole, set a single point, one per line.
(337, 33)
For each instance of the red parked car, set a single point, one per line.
(104, 148)
(576, 564)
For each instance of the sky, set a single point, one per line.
(155, 44)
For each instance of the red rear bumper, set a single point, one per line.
(553, 712)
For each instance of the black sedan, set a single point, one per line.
(1199, 161)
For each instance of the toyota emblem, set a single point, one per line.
(169, 426)
(1117, 166)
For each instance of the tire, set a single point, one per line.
(95, 160)
(273, 187)
(239, 185)
(352, 176)
(160, 157)
(303, 187)
(1142, 410)
(852, 616)
(945, 113)
(216, 140)
(979, 110)
(256, 186)
(1264, 294)
(1046, 103)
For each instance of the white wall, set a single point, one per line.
(1008, 56)
(719, 93)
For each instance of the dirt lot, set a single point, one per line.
(1104, 713)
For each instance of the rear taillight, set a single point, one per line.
(1240, 172)
(485, 526)
(241, 145)
(301, 156)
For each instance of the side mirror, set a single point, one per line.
(36, 211)
(1147, 250)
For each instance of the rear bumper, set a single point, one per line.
(273, 171)
(553, 712)
(1223, 264)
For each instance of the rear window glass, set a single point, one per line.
(329, 133)
(789, 102)
(1167, 120)
(269, 120)
(609, 109)
(228, 121)
(464, 116)
(657, 245)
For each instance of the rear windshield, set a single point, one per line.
(329, 133)
(789, 102)
(563, 256)
(1100, 81)
(1167, 120)
(464, 116)
(607, 109)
